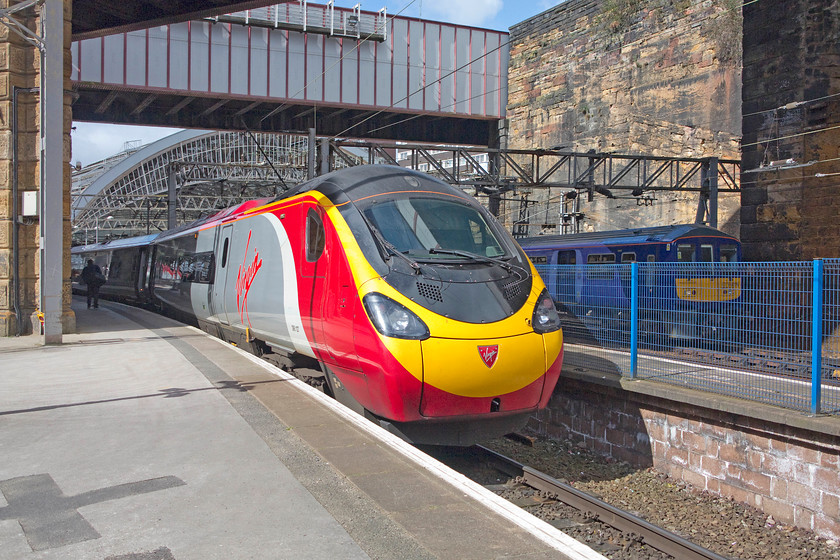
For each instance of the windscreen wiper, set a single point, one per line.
(472, 256)
(517, 270)
(390, 248)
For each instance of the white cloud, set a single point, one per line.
(94, 142)
(464, 12)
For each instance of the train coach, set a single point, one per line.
(400, 294)
(686, 286)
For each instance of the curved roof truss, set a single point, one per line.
(211, 170)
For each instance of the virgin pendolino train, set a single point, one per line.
(400, 293)
(686, 283)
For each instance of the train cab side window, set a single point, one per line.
(685, 253)
(628, 257)
(707, 253)
(651, 258)
(728, 253)
(315, 236)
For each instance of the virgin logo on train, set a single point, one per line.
(244, 279)
(489, 354)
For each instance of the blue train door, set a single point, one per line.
(566, 284)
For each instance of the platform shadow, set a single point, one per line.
(168, 393)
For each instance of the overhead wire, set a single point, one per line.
(417, 116)
(427, 85)
(419, 90)
(477, 59)
(789, 136)
(506, 43)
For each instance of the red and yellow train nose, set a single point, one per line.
(477, 376)
(468, 369)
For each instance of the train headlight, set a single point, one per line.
(393, 319)
(546, 319)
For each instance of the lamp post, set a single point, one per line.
(96, 239)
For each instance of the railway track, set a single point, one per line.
(591, 508)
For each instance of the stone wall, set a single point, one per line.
(791, 105)
(646, 77)
(17, 69)
(791, 473)
(20, 67)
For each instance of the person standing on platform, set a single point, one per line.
(92, 276)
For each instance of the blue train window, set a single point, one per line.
(707, 253)
(728, 253)
(685, 253)
(600, 258)
(566, 257)
(597, 272)
(628, 257)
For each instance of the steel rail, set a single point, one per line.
(646, 532)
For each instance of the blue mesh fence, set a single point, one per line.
(739, 329)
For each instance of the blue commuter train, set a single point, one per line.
(687, 287)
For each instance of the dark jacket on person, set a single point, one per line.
(92, 274)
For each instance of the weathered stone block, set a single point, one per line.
(753, 196)
(7, 323)
(767, 231)
(5, 234)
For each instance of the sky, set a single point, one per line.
(94, 142)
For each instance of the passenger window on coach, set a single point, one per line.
(685, 253)
(707, 253)
(628, 257)
(315, 236)
(566, 257)
(602, 258)
(597, 272)
(728, 253)
(203, 268)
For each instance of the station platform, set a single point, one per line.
(140, 438)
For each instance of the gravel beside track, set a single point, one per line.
(722, 525)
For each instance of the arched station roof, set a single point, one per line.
(211, 170)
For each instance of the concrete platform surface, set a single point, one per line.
(139, 438)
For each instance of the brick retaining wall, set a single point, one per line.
(789, 472)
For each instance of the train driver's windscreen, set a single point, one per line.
(420, 226)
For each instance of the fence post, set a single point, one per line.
(816, 337)
(634, 318)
